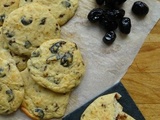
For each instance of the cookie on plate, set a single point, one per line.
(105, 107)
(62, 10)
(41, 103)
(11, 87)
(6, 7)
(26, 28)
(57, 65)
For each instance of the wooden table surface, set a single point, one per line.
(142, 79)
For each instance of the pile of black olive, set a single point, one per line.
(110, 16)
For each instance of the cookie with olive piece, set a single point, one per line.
(62, 10)
(6, 7)
(57, 65)
(27, 27)
(11, 87)
(41, 103)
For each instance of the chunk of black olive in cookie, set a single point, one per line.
(67, 59)
(9, 34)
(27, 44)
(2, 73)
(39, 113)
(10, 95)
(43, 21)
(29, 0)
(35, 54)
(54, 48)
(66, 3)
(8, 5)
(25, 21)
(2, 17)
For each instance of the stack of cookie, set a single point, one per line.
(38, 69)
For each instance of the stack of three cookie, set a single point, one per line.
(55, 66)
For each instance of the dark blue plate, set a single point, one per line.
(126, 101)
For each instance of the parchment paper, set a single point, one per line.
(105, 65)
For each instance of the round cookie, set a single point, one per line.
(62, 10)
(41, 103)
(6, 7)
(11, 87)
(26, 28)
(57, 65)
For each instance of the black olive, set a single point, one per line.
(9, 34)
(39, 112)
(108, 25)
(114, 3)
(11, 42)
(2, 73)
(10, 95)
(35, 53)
(125, 25)
(27, 44)
(67, 59)
(140, 8)
(29, 0)
(95, 15)
(109, 37)
(25, 21)
(66, 4)
(43, 21)
(114, 14)
(54, 48)
(0, 87)
(99, 2)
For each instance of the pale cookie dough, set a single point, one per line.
(105, 107)
(62, 10)
(3, 42)
(11, 87)
(6, 7)
(40, 103)
(26, 28)
(21, 61)
(57, 65)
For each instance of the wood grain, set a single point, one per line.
(142, 79)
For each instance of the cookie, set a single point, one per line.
(26, 28)
(57, 65)
(40, 103)
(6, 7)
(62, 10)
(11, 87)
